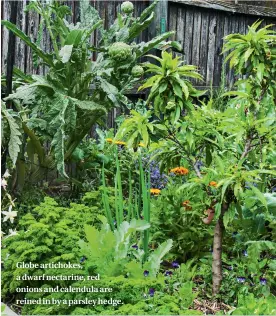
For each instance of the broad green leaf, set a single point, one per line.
(45, 57)
(260, 196)
(260, 71)
(65, 53)
(15, 133)
(74, 37)
(143, 48)
(229, 216)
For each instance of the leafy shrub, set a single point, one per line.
(61, 106)
(49, 233)
(111, 253)
(250, 305)
(130, 291)
(171, 218)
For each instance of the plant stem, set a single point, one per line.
(46, 17)
(217, 251)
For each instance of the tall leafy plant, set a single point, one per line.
(136, 206)
(60, 108)
(228, 153)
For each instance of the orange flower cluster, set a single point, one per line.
(213, 184)
(155, 191)
(118, 142)
(109, 140)
(186, 205)
(181, 171)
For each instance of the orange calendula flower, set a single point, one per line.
(213, 184)
(118, 142)
(180, 171)
(109, 140)
(186, 205)
(186, 202)
(155, 191)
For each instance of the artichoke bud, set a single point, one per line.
(137, 71)
(120, 51)
(127, 7)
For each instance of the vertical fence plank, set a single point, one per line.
(180, 27)
(219, 43)
(173, 22)
(226, 31)
(32, 31)
(20, 46)
(6, 12)
(203, 54)
(196, 41)
(211, 48)
(188, 35)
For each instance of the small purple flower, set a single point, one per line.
(240, 279)
(199, 164)
(175, 265)
(168, 273)
(245, 253)
(134, 247)
(230, 268)
(151, 292)
(146, 273)
(82, 259)
(263, 281)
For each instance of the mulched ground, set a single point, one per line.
(211, 307)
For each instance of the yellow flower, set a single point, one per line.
(109, 140)
(213, 184)
(180, 171)
(141, 145)
(155, 191)
(118, 142)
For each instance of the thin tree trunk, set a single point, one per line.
(217, 251)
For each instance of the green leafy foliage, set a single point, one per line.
(108, 250)
(64, 97)
(49, 233)
(249, 305)
(11, 123)
(170, 218)
(170, 88)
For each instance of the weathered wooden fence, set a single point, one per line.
(200, 27)
(29, 23)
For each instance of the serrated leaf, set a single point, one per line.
(15, 134)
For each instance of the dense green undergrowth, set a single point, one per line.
(174, 209)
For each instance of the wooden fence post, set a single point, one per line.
(160, 23)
